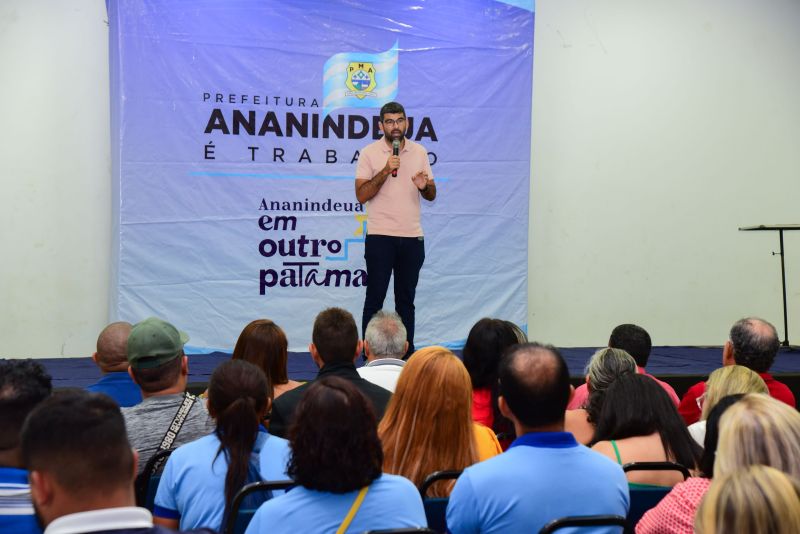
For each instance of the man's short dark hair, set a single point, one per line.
(392, 107)
(534, 381)
(158, 378)
(755, 343)
(634, 340)
(23, 385)
(335, 335)
(79, 438)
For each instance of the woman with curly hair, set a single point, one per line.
(336, 461)
(428, 424)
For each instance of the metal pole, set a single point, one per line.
(783, 280)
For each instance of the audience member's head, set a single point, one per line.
(753, 343)
(759, 430)
(634, 340)
(711, 440)
(264, 344)
(522, 337)
(636, 405)
(427, 426)
(730, 380)
(335, 337)
(487, 341)
(758, 500)
(77, 452)
(238, 400)
(603, 368)
(23, 385)
(334, 438)
(385, 336)
(534, 386)
(112, 347)
(156, 358)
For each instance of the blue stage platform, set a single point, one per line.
(681, 366)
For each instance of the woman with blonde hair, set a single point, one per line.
(727, 380)
(756, 500)
(264, 344)
(759, 430)
(428, 424)
(603, 368)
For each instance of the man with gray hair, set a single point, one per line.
(385, 344)
(753, 343)
(112, 359)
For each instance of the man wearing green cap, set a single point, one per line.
(168, 416)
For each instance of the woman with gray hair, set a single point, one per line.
(603, 368)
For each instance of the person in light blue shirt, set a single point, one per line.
(545, 474)
(202, 477)
(336, 461)
(112, 359)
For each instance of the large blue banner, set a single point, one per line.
(238, 126)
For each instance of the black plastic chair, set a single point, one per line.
(421, 530)
(239, 517)
(146, 483)
(583, 521)
(643, 499)
(436, 507)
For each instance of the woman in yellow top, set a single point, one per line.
(428, 424)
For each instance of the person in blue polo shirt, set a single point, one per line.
(112, 359)
(545, 474)
(23, 385)
(201, 478)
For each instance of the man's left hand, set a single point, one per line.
(421, 180)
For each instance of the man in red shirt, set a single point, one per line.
(754, 344)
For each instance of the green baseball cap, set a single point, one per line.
(154, 342)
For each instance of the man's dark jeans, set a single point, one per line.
(403, 255)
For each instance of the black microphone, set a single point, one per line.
(395, 152)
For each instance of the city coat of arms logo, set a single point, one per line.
(360, 79)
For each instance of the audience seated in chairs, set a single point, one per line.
(728, 380)
(168, 416)
(603, 368)
(545, 474)
(674, 514)
(634, 340)
(336, 461)
(487, 341)
(639, 423)
(82, 466)
(758, 500)
(112, 359)
(264, 344)
(334, 348)
(23, 385)
(202, 477)
(428, 424)
(754, 343)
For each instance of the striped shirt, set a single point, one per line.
(16, 509)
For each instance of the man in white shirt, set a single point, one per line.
(385, 343)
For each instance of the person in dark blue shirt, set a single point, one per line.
(112, 359)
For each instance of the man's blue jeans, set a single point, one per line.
(404, 256)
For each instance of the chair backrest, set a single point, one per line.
(240, 517)
(643, 499)
(146, 483)
(436, 507)
(583, 521)
(657, 466)
(412, 530)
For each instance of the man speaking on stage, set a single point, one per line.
(392, 173)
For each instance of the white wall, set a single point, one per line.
(55, 169)
(659, 128)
